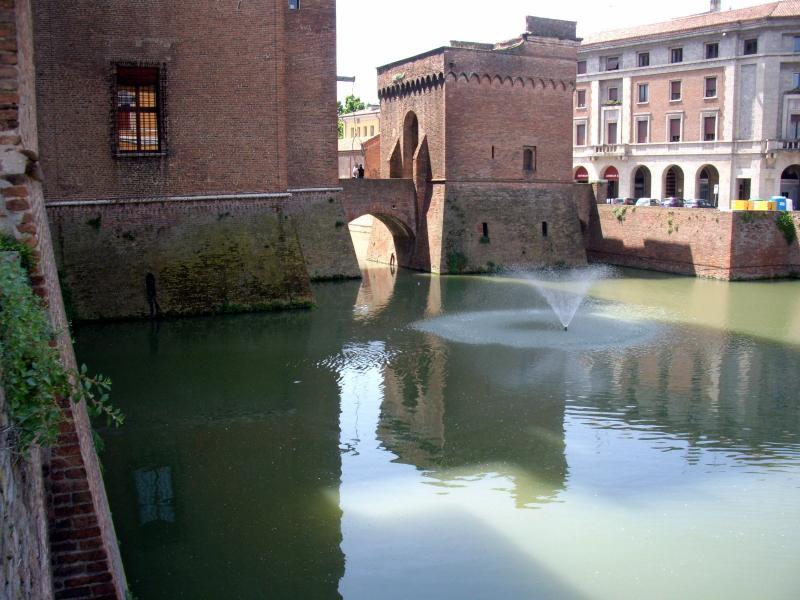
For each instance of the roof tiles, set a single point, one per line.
(788, 8)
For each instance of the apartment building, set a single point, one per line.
(359, 128)
(704, 106)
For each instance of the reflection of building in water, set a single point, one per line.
(154, 493)
(375, 293)
(457, 411)
(711, 389)
(434, 306)
(248, 506)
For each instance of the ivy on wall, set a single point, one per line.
(32, 373)
(785, 223)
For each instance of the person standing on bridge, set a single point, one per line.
(361, 171)
(355, 171)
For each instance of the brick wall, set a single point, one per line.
(514, 217)
(24, 548)
(204, 256)
(319, 218)
(483, 143)
(704, 242)
(311, 93)
(249, 104)
(426, 101)
(83, 548)
(372, 158)
(758, 248)
(535, 84)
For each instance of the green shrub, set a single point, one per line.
(9, 244)
(33, 376)
(785, 223)
(456, 262)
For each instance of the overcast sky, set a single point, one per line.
(376, 32)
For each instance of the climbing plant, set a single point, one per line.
(33, 376)
(785, 223)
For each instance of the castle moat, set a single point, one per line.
(442, 437)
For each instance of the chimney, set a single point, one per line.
(715, 5)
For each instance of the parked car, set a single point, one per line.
(647, 202)
(672, 202)
(696, 203)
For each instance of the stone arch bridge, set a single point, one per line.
(394, 203)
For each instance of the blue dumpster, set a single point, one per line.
(781, 200)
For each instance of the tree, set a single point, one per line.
(351, 104)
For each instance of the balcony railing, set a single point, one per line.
(610, 149)
(772, 146)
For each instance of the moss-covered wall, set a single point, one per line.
(204, 256)
(514, 218)
(321, 224)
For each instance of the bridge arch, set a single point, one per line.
(392, 204)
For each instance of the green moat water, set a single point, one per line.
(422, 437)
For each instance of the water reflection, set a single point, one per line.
(342, 452)
(224, 481)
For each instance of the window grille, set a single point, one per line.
(138, 110)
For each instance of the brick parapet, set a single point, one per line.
(22, 215)
(743, 245)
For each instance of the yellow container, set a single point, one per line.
(740, 205)
(761, 204)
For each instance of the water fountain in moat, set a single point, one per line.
(601, 325)
(565, 289)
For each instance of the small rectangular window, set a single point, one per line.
(712, 50)
(676, 55)
(544, 228)
(711, 87)
(294, 4)
(486, 231)
(138, 110)
(796, 81)
(613, 94)
(371, 130)
(580, 98)
(642, 127)
(580, 134)
(797, 43)
(675, 129)
(751, 46)
(612, 63)
(643, 59)
(709, 128)
(674, 90)
(581, 67)
(644, 93)
(492, 152)
(611, 137)
(529, 159)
